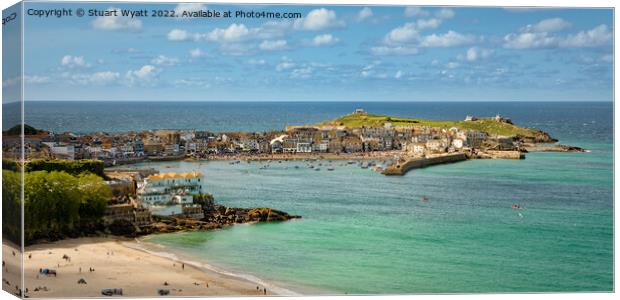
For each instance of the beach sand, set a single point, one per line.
(118, 264)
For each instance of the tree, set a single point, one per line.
(11, 205)
(95, 195)
(57, 203)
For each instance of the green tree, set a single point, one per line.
(11, 205)
(95, 195)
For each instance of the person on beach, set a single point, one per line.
(183, 266)
(265, 291)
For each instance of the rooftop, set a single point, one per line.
(173, 175)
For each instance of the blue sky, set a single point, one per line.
(335, 53)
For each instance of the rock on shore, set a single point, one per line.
(221, 216)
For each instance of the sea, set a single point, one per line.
(442, 229)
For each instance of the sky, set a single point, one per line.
(332, 53)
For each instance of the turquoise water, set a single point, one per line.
(364, 233)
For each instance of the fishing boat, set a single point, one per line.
(330, 169)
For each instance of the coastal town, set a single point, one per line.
(388, 139)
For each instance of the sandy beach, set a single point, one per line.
(117, 263)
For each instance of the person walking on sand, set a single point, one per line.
(265, 291)
(183, 266)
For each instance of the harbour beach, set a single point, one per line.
(120, 263)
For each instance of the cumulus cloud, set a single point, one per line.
(178, 35)
(97, 78)
(273, 45)
(318, 19)
(117, 23)
(428, 23)
(302, 73)
(72, 62)
(403, 34)
(196, 53)
(397, 50)
(285, 64)
(259, 62)
(547, 25)
(324, 40)
(475, 53)
(28, 79)
(445, 13)
(596, 37)
(163, 60)
(364, 14)
(413, 11)
(233, 33)
(146, 75)
(449, 39)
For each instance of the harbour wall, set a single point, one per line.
(399, 168)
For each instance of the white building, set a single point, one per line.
(171, 188)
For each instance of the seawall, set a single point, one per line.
(399, 168)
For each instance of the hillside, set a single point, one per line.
(488, 125)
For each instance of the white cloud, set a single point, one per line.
(452, 65)
(188, 7)
(364, 14)
(256, 62)
(97, 78)
(445, 13)
(273, 45)
(285, 65)
(233, 33)
(145, 75)
(192, 82)
(28, 79)
(324, 40)
(302, 73)
(403, 34)
(598, 36)
(475, 53)
(595, 37)
(163, 60)
(117, 23)
(547, 25)
(318, 19)
(196, 53)
(398, 50)
(449, 39)
(178, 35)
(412, 11)
(428, 23)
(71, 62)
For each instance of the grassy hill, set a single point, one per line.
(487, 125)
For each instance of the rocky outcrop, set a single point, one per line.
(538, 137)
(552, 148)
(217, 217)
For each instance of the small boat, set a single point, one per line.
(317, 169)
(311, 166)
(330, 169)
(296, 167)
